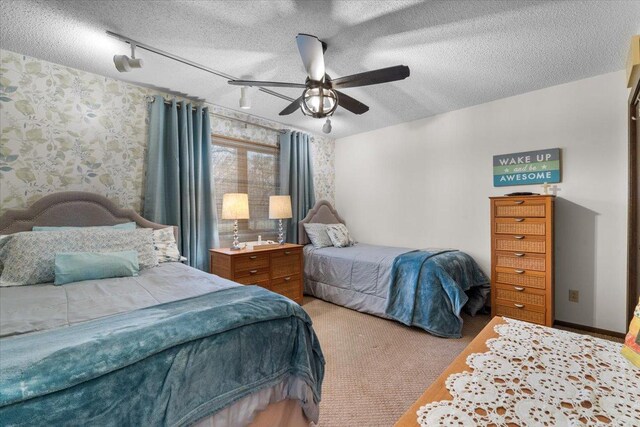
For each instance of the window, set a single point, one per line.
(245, 167)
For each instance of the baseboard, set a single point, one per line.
(589, 329)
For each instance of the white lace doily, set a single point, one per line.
(538, 376)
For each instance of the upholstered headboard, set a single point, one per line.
(71, 208)
(322, 213)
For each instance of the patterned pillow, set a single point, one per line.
(631, 348)
(164, 242)
(29, 257)
(339, 235)
(317, 233)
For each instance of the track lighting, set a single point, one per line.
(125, 64)
(245, 102)
(326, 128)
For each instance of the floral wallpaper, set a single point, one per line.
(65, 129)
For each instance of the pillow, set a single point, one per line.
(317, 233)
(631, 348)
(164, 243)
(78, 266)
(29, 257)
(339, 235)
(123, 226)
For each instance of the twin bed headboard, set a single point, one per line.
(73, 209)
(322, 213)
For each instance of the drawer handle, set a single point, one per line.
(286, 279)
(519, 271)
(253, 271)
(518, 237)
(519, 305)
(253, 257)
(287, 252)
(519, 219)
(518, 288)
(518, 202)
(519, 255)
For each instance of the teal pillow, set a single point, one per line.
(78, 266)
(123, 226)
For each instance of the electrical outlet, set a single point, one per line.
(574, 295)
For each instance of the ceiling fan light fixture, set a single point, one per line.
(244, 102)
(319, 102)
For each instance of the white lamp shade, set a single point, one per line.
(235, 206)
(280, 207)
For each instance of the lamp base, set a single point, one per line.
(280, 232)
(236, 244)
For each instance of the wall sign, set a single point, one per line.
(526, 168)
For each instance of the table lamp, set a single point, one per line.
(280, 208)
(235, 206)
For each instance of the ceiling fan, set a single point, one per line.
(320, 98)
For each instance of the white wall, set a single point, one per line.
(427, 183)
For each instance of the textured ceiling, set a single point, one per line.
(461, 53)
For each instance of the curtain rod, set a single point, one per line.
(190, 63)
(233, 118)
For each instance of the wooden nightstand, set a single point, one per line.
(278, 269)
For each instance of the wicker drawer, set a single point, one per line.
(526, 313)
(250, 277)
(520, 208)
(285, 263)
(521, 261)
(520, 243)
(520, 226)
(250, 262)
(530, 279)
(508, 294)
(289, 286)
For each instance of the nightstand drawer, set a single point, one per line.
(521, 312)
(250, 262)
(286, 263)
(289, 286)
(250, 277)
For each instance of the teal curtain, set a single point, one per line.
(178, 186)
(296, 178)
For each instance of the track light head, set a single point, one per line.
(326, 128)
(124, 64)
(244, 102)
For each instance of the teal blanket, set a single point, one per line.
(428, 290)
(169, 364)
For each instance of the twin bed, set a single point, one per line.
(426, 288)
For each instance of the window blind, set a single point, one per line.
(241, 166)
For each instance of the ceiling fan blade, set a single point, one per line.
(252, 83)
(312, 54)
(383, 75)
(291, 108)
(351, 104)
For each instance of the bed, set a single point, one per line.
(425, 288)
(172, 346)
(519, 373)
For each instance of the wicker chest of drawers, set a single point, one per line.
(522, 258)
(278, 269)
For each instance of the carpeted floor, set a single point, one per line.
(377, 368)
